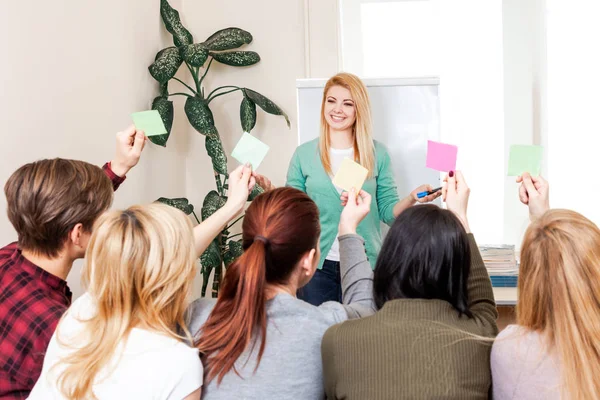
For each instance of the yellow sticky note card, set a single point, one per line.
(350, 175)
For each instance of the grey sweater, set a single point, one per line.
(291, 367)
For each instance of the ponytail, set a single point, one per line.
(239, 310)
(289, 221)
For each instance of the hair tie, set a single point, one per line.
(261, 238)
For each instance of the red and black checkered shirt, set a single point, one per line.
(31, 304)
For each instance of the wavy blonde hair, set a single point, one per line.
(559, 296)
(138, 270)
(364, 149)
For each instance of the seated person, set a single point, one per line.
(553, 352)
(52, 204)
(430, 338)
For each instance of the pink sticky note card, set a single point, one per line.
(441, 156)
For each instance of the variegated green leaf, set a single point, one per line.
(179, 203)
(166, 64)
(194, 54)
(209, 260)
(214, 148)
(233, 252)
(237, 58)
(199, 115)
(212, 202)
(266, 104)
(256, 190)
(165, 109)
(170, 17)
(227, 39)
(247, 114)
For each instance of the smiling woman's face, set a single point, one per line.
(339, 109)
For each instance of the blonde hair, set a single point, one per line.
(364, 149)
(138, 270)
(559, 296)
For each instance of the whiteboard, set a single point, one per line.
(405, 113)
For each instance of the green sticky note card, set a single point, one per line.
(525, 159)
(150, 122)
(250, 150)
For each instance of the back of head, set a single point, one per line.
(47, 198)
(138, 271)
(559, 295)
(279, 227)
(426, 255)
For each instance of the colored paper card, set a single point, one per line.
(441, 156)
(525, 158)
(350, 175)
(150, 122)
(250, 150)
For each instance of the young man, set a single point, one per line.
(52, 205)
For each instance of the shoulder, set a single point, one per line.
(381, 152)
(516, 340)
(307, 149)
(7, 251)
(198, 312)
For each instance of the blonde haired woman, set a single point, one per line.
(554, 351)
(346, 132)
(124, 338)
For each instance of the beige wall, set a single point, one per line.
(74, 71)
(71, 74)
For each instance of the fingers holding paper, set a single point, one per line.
(241, 183)
(456, 195)
(535, 193)
(356, 209)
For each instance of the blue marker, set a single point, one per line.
(420, 195)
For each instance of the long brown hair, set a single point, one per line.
(280, 227)
(364, 149)
(559, 296)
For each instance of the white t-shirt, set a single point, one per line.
(152, 365)
(336, 156)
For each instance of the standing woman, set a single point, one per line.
(345, 132)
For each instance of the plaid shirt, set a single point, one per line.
(31, 304)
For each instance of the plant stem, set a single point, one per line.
(180, 94)
(220, 94)
(222, 87)
(206, 70)
(185, 84)
(195, 76)
(232, 236)
(234, 222)
(195, 216)
(219, 184)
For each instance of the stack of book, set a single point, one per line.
(501, 264)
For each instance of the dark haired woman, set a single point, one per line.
(430, 337)
(259, 341)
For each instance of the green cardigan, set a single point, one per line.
(306, 173)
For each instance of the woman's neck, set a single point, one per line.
(341, 139)
(273, 290)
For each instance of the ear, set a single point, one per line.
(75, 236)
(307, 264)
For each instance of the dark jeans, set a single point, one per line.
(324, 286)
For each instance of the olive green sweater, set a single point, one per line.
(415, 349)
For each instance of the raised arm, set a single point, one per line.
(241, 183)
(479, 288)
(355, 269)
